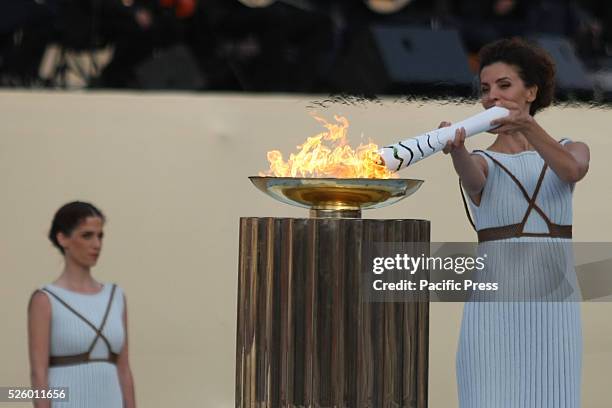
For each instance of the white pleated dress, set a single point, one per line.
(525, 354)
(92, 384)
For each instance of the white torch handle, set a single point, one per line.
(410, 151)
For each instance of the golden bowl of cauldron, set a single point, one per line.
(336, 197)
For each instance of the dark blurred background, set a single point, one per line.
(367, 47)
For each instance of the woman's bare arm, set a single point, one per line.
(471, 168)
(570, 162)
(123, 368)
(39, 330)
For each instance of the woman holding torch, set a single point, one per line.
(520, 352)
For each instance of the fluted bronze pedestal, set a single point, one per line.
(307, 336)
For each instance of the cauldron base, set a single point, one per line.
(307, 337)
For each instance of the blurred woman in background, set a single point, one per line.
(77, 326)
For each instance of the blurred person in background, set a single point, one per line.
(483, 21)
(280, 47)
(569, 19)
(77, 326)
(137, 28)
(595, 45)
(415, 12)
(26, 27)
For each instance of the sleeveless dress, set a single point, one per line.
(523, 352)
(93, 383)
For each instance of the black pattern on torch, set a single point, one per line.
(396, 156)
(420, 150)
(411, 153)
(429, 143)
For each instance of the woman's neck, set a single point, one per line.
(511, 143)
(77, 277)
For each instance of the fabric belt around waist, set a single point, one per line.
(515, 231)
(56, 361)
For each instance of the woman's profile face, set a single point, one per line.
(502, 81)
(84, 244)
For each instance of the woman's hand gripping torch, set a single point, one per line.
(405, 153)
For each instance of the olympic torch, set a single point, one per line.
(405, 153)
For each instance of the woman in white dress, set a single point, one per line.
(77, 327)
(523, 352)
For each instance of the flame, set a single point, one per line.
(328, 154)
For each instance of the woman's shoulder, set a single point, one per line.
(571, 142)
(37, 294)
(113, 288)
(119, 291)
(39, 302)
(574, 144)
(118, 287)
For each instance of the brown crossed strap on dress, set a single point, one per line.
(55, 361)
(517, 230)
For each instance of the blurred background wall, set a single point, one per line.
(170, 172)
